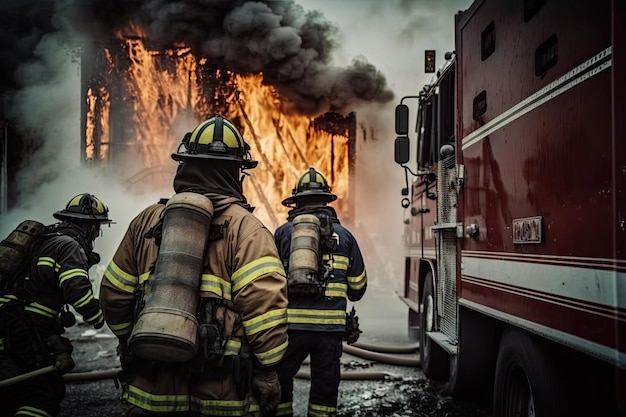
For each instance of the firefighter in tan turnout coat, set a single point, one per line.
(196, 292)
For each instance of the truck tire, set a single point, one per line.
(435, 363)
(526, 380)
(472, 368)
(413, 326)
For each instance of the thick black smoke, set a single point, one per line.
(290, 46)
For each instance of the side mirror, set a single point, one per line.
(402, 119)
(401, 153)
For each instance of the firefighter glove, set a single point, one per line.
(61, 349)
(267, 388)
(352, 327)
(126, 358)
(63, 362)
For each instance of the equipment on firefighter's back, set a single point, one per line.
(310, 267)
(302, 276)
(352, 327)
(15, 254)
(221, 356)
(166, 328)
(211, 330)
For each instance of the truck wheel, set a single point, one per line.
(413, 326)
(472, 368)
(435, 363)
(526, 381)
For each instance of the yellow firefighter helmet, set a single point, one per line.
(311, 187)
(215, 138)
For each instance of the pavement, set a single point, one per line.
(403, 392)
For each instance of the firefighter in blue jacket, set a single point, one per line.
(325, 270)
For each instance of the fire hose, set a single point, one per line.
(376, 353)
(387, 348)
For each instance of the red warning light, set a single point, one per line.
(429, 61)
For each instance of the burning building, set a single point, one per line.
(152, 69)
(139, 102)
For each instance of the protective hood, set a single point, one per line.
(211, 178)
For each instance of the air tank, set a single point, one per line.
(302, 276)
(166, 327)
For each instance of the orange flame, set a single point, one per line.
(172, 91)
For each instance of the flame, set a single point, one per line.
(165, 93)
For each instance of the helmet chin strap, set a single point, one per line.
(243, 175)
(90, 232)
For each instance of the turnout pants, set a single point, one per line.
(325, 350)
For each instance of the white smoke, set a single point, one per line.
(393, 35)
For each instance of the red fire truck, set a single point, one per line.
(515, 218)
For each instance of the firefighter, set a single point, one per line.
(318, 290)
(33, 320)
(228, 279)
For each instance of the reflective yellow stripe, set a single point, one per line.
(6, 298)
(216, 285)
(301, 315)
(316, 410)
(272, 356)
(41, 310)
(120, 279)
(356, 283)
(96, 318)
(121, 329)
(340, 262)
(84, 299)
(336, 289)
(143, 277)
(153, 402)
(26, 410)
(251, 271)
(46, 261)
(72, 273)
(284, 409)
(232, 347)
(219, 407)
(265, 321)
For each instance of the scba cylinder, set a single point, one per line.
(166, 327)
(302, 276)
(15, 250)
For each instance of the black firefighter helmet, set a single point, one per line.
(311, 188)
(84, 207)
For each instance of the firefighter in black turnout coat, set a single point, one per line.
(325, 270)
(35, 315)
